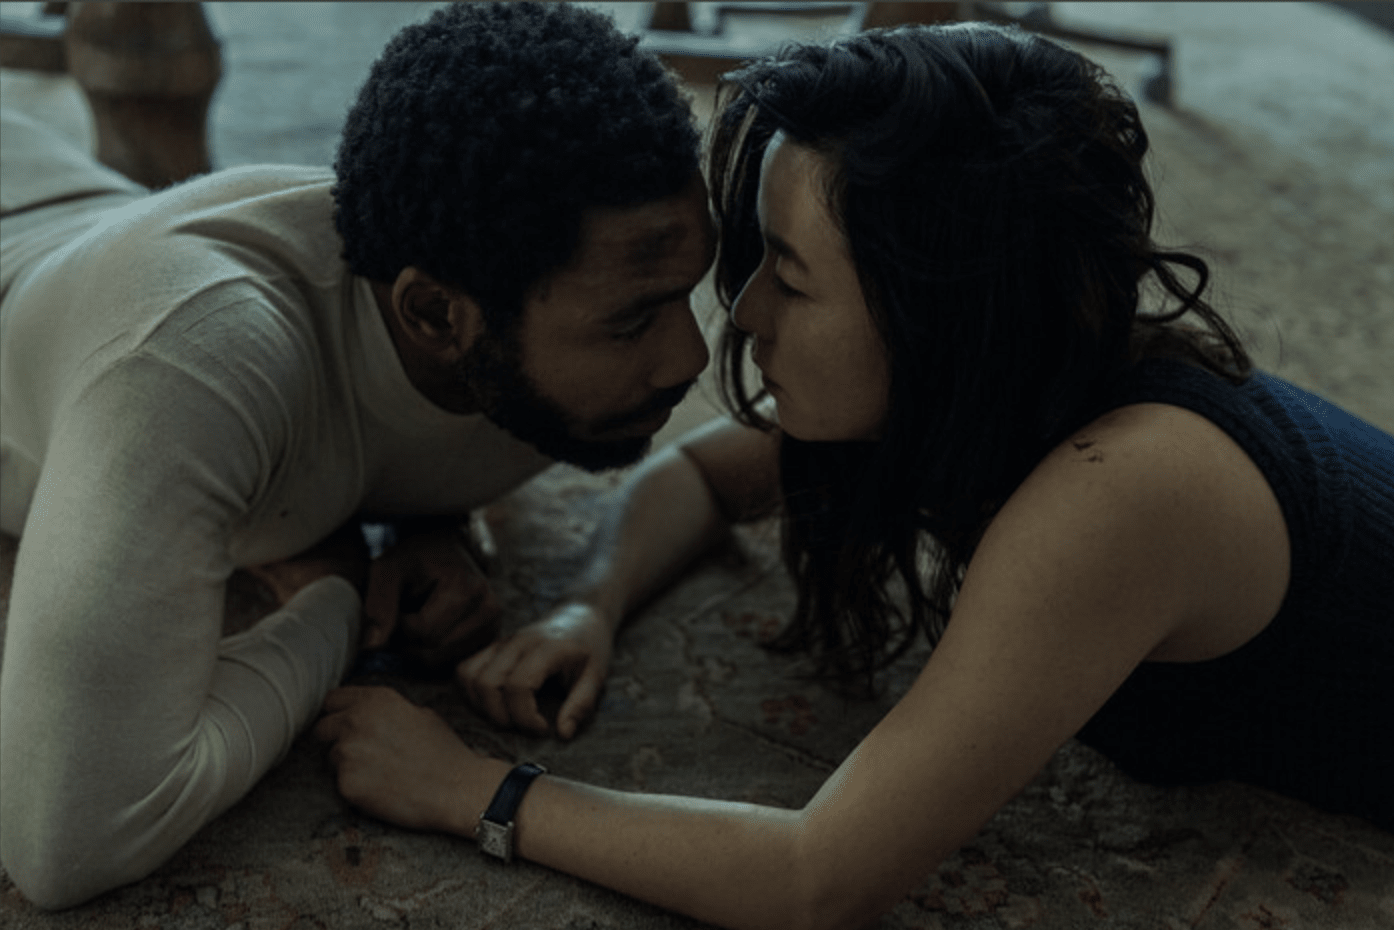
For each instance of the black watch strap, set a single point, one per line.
(495, 830)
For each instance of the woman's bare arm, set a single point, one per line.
(1115, 547)
(674, 507)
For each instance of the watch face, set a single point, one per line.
(496, 839)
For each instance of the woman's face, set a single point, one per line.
(822, 359)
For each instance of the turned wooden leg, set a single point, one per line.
(148, 71)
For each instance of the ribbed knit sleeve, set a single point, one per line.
(125, 723)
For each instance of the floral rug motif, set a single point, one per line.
(695, 706)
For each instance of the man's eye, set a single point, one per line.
(633, 331)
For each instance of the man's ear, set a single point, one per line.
(438, 319)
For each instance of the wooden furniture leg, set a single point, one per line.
(702, 55)
(148, 71)
(33, 44)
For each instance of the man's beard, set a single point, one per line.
(492, 370)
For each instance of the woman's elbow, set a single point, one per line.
(828, 896)
(821, 912)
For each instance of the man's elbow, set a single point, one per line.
(50, 885)
(59, 870)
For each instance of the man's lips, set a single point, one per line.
(652, 423)
(645, 425)
(657, 410)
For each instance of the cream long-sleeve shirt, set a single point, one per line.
(194, 383)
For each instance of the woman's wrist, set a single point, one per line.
(607, 606)
(476, 786)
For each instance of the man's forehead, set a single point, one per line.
(630, 258)
(638, 237)
(647, 247)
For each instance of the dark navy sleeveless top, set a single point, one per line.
(1306, 707)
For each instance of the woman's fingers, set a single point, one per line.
(467, 672)
(580, 703)
(344, 698)
(528, 677)
(486, 680)
(393, 759)
(503, 680)
(343, 711)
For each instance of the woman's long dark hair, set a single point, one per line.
(990, 186)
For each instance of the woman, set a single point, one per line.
(936, 242)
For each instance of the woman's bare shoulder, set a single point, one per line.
(1171, 488)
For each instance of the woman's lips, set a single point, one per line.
(769, 383)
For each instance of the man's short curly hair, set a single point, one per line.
(483, 135)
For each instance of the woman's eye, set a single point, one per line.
(783, 287)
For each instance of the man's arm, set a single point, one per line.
(674, 507)
(126, 721)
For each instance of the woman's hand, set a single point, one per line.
(342, 553)
(403, 763)
(431, 591)
(575, 642)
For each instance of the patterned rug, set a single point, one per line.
(1278, 162)
(695, 706)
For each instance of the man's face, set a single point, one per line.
(609, 344)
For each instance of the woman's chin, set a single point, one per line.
(796, 427)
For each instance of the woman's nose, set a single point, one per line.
(746, 313)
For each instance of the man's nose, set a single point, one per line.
(685, 354)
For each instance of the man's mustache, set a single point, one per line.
(665, 399)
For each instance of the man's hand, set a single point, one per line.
(575, 642)
(403, 763)
(430, 591)
(342, 553)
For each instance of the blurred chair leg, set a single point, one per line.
(148, 71)
(30, 44)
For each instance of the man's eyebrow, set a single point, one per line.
(654, 247)
(785, 250)
(637, 308)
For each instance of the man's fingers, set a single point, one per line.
(453, 608)
(580, 703)
(380, 603)
(470, 634)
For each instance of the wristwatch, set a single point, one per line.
(494, 833)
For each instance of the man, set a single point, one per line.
(236, 370)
